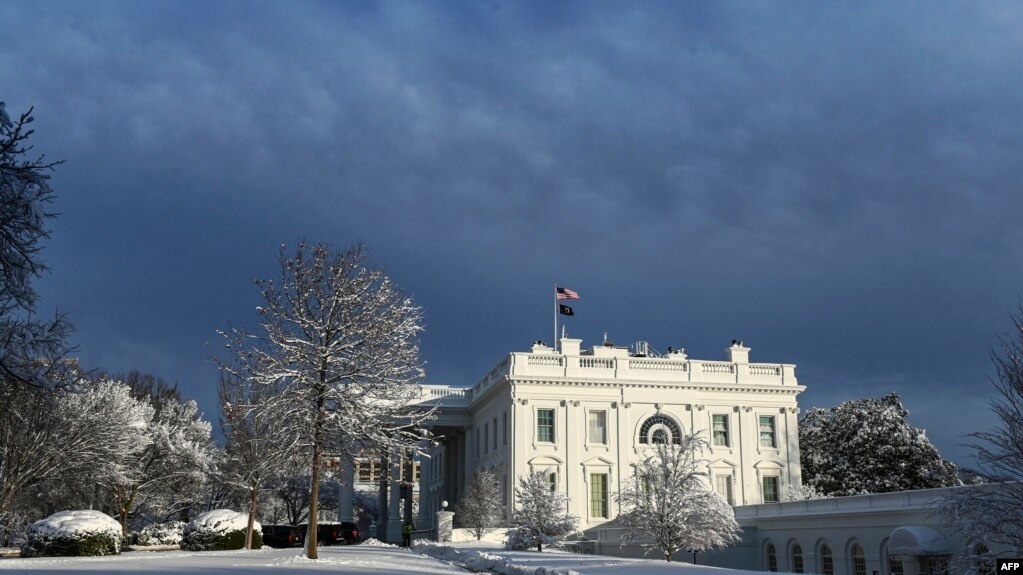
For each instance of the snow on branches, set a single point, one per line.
(338, 352)
(988, 516)
(542, 515)
(668, 505)
(479, 509)
(867, 446)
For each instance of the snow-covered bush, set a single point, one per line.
(73, 533)
(218, 530)
(169, 533)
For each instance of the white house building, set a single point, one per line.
(585, 417)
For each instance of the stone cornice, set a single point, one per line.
(689, 386)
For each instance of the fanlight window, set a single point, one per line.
(660, 429)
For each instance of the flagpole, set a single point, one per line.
(555, 316)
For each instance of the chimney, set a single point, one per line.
(570, 346)
(738, 353)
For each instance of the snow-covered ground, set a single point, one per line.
(489, 557)
(367, 559)
(378, 559)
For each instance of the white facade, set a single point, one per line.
(587, 416)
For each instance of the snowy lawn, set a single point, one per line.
(368, 559)
(491, 557)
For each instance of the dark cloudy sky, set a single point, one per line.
(836, 185)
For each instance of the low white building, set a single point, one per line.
(585, 417)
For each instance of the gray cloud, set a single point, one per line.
(835, 185)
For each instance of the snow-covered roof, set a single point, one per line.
(917, 540)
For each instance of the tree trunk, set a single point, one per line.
(667, 556)
(539, 546)
(253, 494)
(314, 488)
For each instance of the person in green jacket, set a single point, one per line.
(406, 534)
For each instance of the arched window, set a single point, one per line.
(827, 560)
(859, 560)
(772, 558)
(797, 559)
(660, 429)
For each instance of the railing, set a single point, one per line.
(546, 360)
(597, 362)
(657, 365)
(717, 367)
(446, 395)
(772, 370)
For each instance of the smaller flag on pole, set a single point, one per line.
(565, 293)
(565, 310)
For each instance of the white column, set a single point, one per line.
(346, 499)
(394, 519)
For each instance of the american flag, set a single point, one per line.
(565, 293)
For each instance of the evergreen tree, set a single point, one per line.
(542, 515)
(867, 446)
(480, 506)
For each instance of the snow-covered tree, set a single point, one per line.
(257, 448)
(991, 516)
(542, 513)
(339, 344)
(170, 470)
(94, 431)
(804, 492)
(669, 506)
(29, 346)
(479, 509)
(867, 446)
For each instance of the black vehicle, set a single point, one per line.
(335, 533)
(283, 536)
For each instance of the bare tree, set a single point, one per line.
(340, 343)
(669, 506)
(542, 515)
(29, 346)
(258, 449)
(989, 516)
(479, 509)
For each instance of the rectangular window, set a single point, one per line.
(721, 430)
(495, 434)
(767, 437)
(477, 443)
(598, 495)
(597, 426)
(545, 425)
(365, 472)
(552, 478)
(770, 490)
(486, 437)
(895, 566)
(504, 426)
(723, 485)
